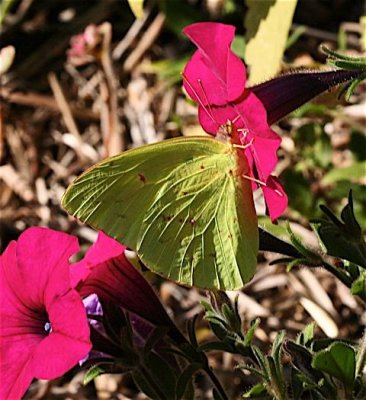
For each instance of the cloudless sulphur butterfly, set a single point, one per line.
(182, 204)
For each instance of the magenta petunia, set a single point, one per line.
(106, 272)
(215, 78)
(222, 73)
(43, 324)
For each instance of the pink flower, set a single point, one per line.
(106, 272)
(43, 324)
(83, 47)
(215, 78)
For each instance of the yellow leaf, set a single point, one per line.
(137, 7)
(267, 23)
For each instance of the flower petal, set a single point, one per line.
(69, 340)
(117, 281)
(43, 265)
(287, 92)
(102, 250)
(34, 282)
(221, 72)
(275, 197)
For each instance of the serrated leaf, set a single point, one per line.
(338, 360)
(267, 23)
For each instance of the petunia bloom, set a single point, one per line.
(106, 272)
(43, 324)
(215, 78)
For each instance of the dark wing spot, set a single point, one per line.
(192, 221)
(142, 178)
(202, 167)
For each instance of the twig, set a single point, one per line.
(63, 105)
(66, 112)
(130, 36)
(37, 100)
(112, 131)
(145, 43)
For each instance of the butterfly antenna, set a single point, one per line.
(207, 108)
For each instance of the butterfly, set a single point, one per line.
(182, 204)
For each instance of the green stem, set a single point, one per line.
(339, 274)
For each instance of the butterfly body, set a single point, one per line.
(181, 204)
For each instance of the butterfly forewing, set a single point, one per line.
(181, 204)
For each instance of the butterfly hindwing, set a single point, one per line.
(181, 204)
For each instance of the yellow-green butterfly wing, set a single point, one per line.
(181, 204)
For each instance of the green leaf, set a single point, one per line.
(267, 25)
(343, 239)
(156, 377)
(181, 204)
(301, 360)
(306, 336)
(338, 360)
(92, 373)
(354, 173)
(254, 391)
(238, 46)
(185, 379)
(358, 287)
(277, 345)
(155, 336)
(137, 7)
(250, 333)
(180, 14)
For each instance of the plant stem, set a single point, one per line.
(361, 355)
(216, 382)
(338, 274)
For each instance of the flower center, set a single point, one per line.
(48, 327)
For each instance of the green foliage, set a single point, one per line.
(137, 7)
(92, 373)
(339, 361)
(343, 61)
(267, 24)
(343, 239)
(180, 14)
(354, 173)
